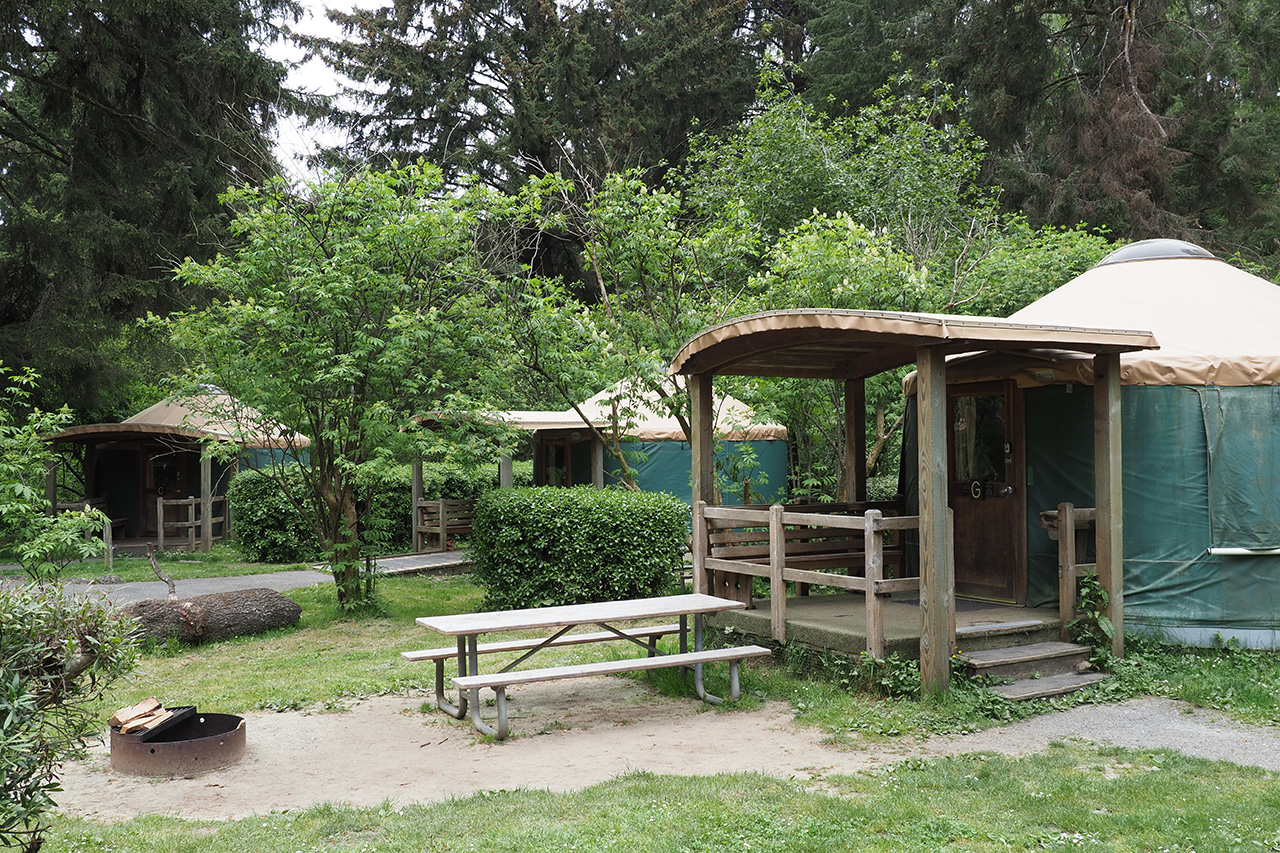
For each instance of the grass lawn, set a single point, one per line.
(1073, 797)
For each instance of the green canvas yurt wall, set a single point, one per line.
(664, 466)
(1201, 440)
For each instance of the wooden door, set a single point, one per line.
(985, 459)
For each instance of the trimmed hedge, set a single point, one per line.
(537, 547)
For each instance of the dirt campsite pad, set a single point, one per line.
(568, 737)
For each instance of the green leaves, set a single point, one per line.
(57, 657)
(542, 546)
(346, 310)
(42, 543)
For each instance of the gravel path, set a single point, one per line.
(568, 737)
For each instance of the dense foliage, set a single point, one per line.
(41, 542)
(536, 547)
(268, 526)
(344, 312)
(57, 657)
(120, 124)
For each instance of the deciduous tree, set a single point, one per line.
(344, 313)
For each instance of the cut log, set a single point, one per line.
(217, 616)
(133, 712)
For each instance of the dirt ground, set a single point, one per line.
(567, 736)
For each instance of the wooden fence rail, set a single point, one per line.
(1069, 517)
(199, 534)
(732, 545)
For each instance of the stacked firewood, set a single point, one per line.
(143, 717)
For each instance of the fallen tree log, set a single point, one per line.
(217, 616)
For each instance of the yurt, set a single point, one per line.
(1200, 435)
(751, 457)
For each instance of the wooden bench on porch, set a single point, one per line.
(441, 520)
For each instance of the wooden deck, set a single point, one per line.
(837, 622)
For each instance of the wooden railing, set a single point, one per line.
(797, 546)
(108, 529)
(1069, 517)
(191, 520)
(441, 520)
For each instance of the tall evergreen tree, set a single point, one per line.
(1146, 117)
(120, 124)
(504, 90)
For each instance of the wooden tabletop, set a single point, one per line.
(579, 614)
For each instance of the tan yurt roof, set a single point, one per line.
(1216, 324)
(210, 415)
(733, 419)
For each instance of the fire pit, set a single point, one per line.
(191, 743)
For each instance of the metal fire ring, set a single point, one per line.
(198, 744)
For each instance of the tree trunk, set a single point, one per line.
(217, 616)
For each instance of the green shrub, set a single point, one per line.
(535, 547)
(58, 654)
(269, 528)
(442, 481)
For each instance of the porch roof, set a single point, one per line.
(829, 343)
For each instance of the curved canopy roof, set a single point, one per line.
(828, 343)
(1217, 325)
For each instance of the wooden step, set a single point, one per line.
(1038, 659)
(1053, 685)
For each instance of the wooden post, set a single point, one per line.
(1066, 567)
(108, 539)
(206, 503)
(51, 488)
(226, 501)
(597, 463)
(937, 573)
(506, 473)
(700, 547)
(777, 586)
(191, 523)
(702, 442)
(855, 439)
(159, 524)
(416, 490)
(874, 550)
(1107, 489)
(444, 526)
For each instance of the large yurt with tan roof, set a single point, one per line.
(1201, 440)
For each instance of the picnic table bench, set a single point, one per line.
(468, 627)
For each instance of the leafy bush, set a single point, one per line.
(442, 481)
(268, 526)
(535, 547)
(43, 543)
(57, 656)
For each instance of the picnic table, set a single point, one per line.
(607, 615)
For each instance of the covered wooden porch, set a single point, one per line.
(734, 545)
